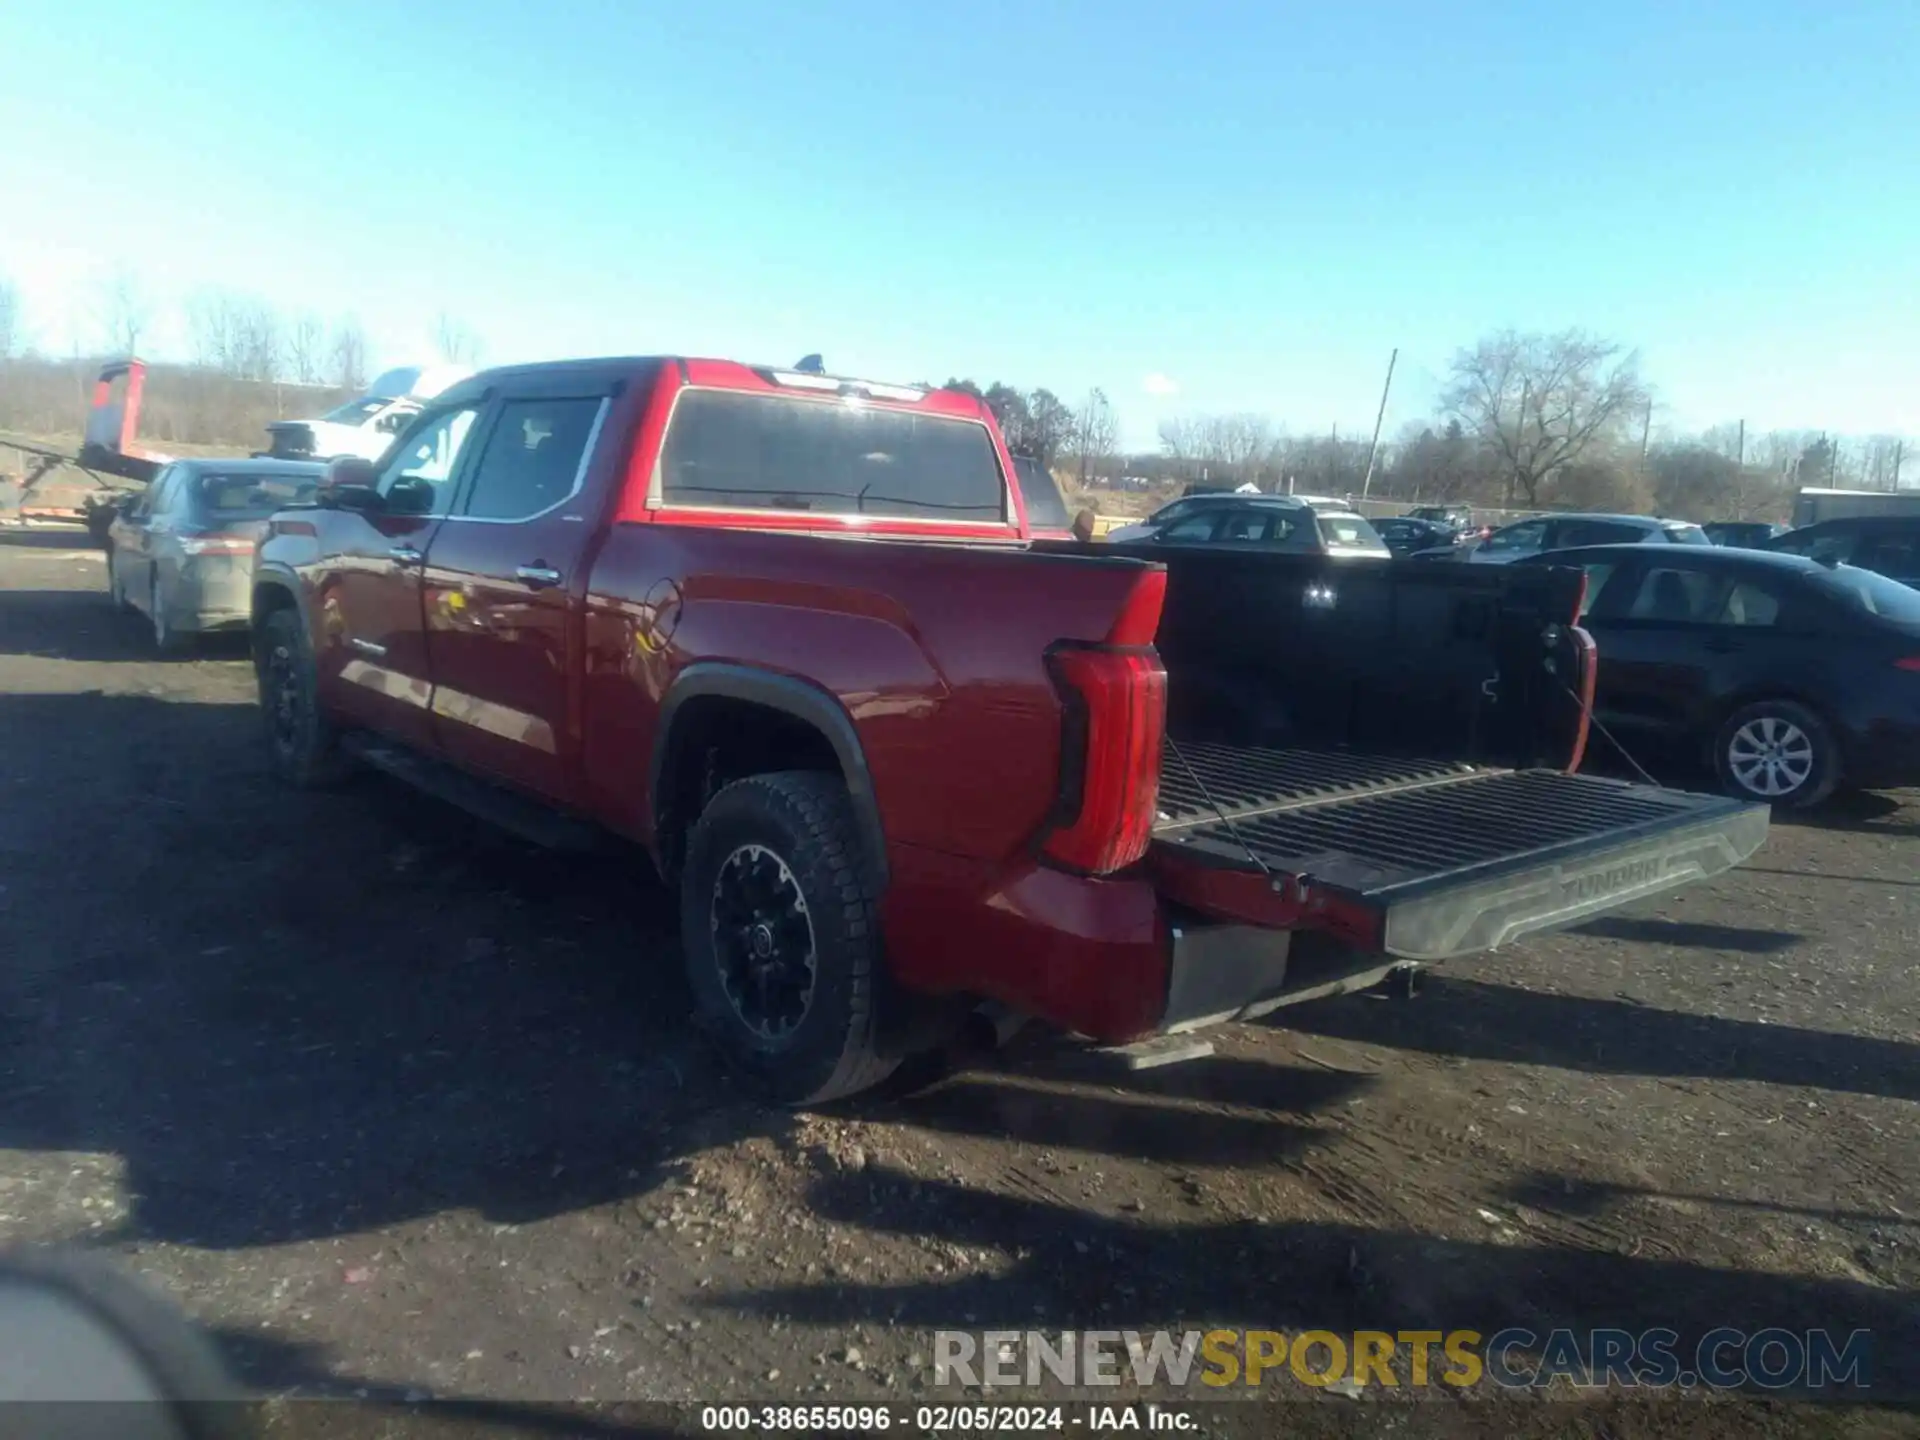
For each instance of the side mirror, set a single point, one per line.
(348, 485)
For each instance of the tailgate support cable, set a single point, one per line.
(1279, 884)
(1606, 734)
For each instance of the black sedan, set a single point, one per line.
(1406, 536)
(1789, 676)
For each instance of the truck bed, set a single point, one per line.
(1425, 859)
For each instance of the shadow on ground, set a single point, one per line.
(1478, 1020)
(302, 1015)
(84, 625)
(1127, 1273)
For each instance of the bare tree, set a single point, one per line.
(1184, 437)
(123, 309)
(257, 342)
(1097, 436)
(1538, 402)
(457, 344)
(348, 355)
(306, 348)
(11, 324)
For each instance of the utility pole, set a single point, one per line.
(1646, 431)
(1366, 484)
(1740, 454)
(1899, 449)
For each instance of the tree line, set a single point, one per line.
(1537, 421)
(231, 333)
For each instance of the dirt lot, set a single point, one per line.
(402, 1107)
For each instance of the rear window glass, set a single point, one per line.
(1348, 532)
(1687, 535)
(774, 452)
(1046, 507)
(251, 497)
(1875, 594)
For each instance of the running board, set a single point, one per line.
(502, 808)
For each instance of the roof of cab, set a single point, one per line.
(725, 375)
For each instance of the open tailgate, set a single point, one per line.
(1423, 859)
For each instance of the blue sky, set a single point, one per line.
(1199, 208)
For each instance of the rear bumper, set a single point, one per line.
(1187, 946)
(213, 593)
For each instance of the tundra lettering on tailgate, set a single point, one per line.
(1630, 875)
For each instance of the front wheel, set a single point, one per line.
(781, 939)
(1777, 752)
(301, 744)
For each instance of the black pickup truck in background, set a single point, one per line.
(1391, 753)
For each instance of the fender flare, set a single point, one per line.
(802, 700)
(274, 575)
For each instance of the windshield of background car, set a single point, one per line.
(1348, 532)
(1046, 507)
(741, 450)
(1875, 594)
(250, 497)
(355, 412)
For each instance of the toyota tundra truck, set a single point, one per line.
(912, 769)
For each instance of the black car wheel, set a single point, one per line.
(302, 746)
(1778, 752)
(782, 943)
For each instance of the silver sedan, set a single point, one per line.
(182, 553)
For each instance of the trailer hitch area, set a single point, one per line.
(1298, 891)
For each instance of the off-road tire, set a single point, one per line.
(1732, 751)
(303, 748)
(806, 821)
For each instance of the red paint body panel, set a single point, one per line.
(1089, 954)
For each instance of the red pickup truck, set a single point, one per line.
(909, 765)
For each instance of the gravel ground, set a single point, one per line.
(401, 1107)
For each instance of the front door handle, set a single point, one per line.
(538, 576)
(1723, 647)
(405, 555)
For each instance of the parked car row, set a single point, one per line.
(908, 789)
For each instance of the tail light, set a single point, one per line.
(1115, 698)
(1909, 662)
(217, 544)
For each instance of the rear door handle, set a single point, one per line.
(538, 576)
(405, 555)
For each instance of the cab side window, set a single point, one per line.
(1679, 597)
(534, 460)
(418, 478)
(1195, 529)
